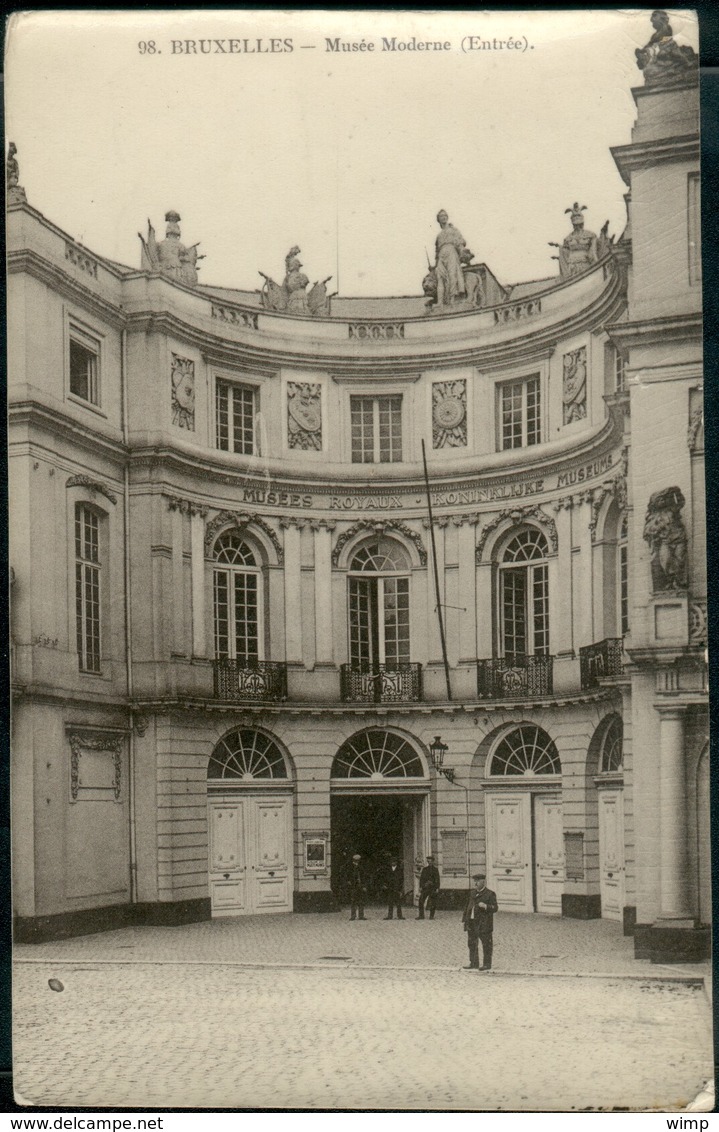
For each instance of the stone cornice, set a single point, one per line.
(35, 413)
(51, 275)
(641, 155)
(662, 329)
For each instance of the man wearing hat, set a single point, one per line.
(428, 888)
(357, 887)
(394, 887)
(478, 922)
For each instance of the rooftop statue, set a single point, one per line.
(15, 191)
(662, 59)
(449, 245)
(170, 257)
(291, 296)
(579, 250)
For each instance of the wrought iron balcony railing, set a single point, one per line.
(380, 683)
(514, 677)
(261, 681)
(596, 662)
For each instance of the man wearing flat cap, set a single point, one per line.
(357, 887)
(478, 922)
(428, 889)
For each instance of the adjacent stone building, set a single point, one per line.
(228, 669)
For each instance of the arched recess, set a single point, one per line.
(702, 825)
(523, 816)
(604, 830)
(250, 802)
(379, 795)
(348, 542)
(240, 549)
(611, 547)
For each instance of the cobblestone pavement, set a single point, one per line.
(127, 1034)
(522, 943)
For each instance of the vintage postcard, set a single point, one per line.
(360, 708)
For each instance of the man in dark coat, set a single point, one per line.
(428, 888)
(357, 887)
(478, 920)
(394, 886)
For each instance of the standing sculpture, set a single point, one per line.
(662, 60)
(291, 296)
(14, 190)
(170, 257)
(664, 532)
(578, 251)
(449, 246)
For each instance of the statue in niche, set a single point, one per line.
(449, 245)
(170, 257)
(291, 296)
(304, 415)
(664, 532)
(662, 60)
(15, 191)
(574, 385)
(578, 251)
(183, 392)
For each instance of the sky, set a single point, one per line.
(349, 155)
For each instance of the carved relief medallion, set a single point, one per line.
(449, 414)
(304, 415)
(183, 392)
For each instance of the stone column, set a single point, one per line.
(560, 572)
(672, 815)
(293, 589)
(178, 580)
(434, 641)
(466, 541)
(582, 574)
(197, 548)
(323, 589)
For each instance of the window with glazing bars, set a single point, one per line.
(379, 621)
(237, 612)
(520, 413)
(87, 588)
(84, 377)
(376, 429)
(524, 596)
(236, 410)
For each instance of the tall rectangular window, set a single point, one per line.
(235, 414)
(84, 366)
(694, 229)
(520, 411)
(623, 588)
(376, 430)
(87, 588)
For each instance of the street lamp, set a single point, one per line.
(438, 750)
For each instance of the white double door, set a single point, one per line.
(250, 854)
(611, 853)
(525, 850)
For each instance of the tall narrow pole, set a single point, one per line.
(440, 617)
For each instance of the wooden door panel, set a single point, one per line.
(508, 849)
(271, 851)
(549, 852)
(228, 892)
(611, 853)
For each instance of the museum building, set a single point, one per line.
(244, 649)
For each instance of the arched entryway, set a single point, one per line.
(523, 810)
(610, 813)
(249, 797)
(379, 807)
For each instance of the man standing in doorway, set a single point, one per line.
(357, 887)
(394, 884)
(478, 922)
(428, 888)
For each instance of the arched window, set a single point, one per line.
(377, 754)
(238, 604)
(244, 756)
(611, 757)
(378, 598)
(526, 751)
(524, 596)
(623, 575)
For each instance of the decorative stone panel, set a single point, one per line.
(234, 317)
(574, 385)
(449, 414)
(375, 331)
(304, 416)
(183, 392)
(95, 765)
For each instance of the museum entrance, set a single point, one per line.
(379, 808)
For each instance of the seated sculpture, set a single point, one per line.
(662, 59)
(170, 257)
(291, 297)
